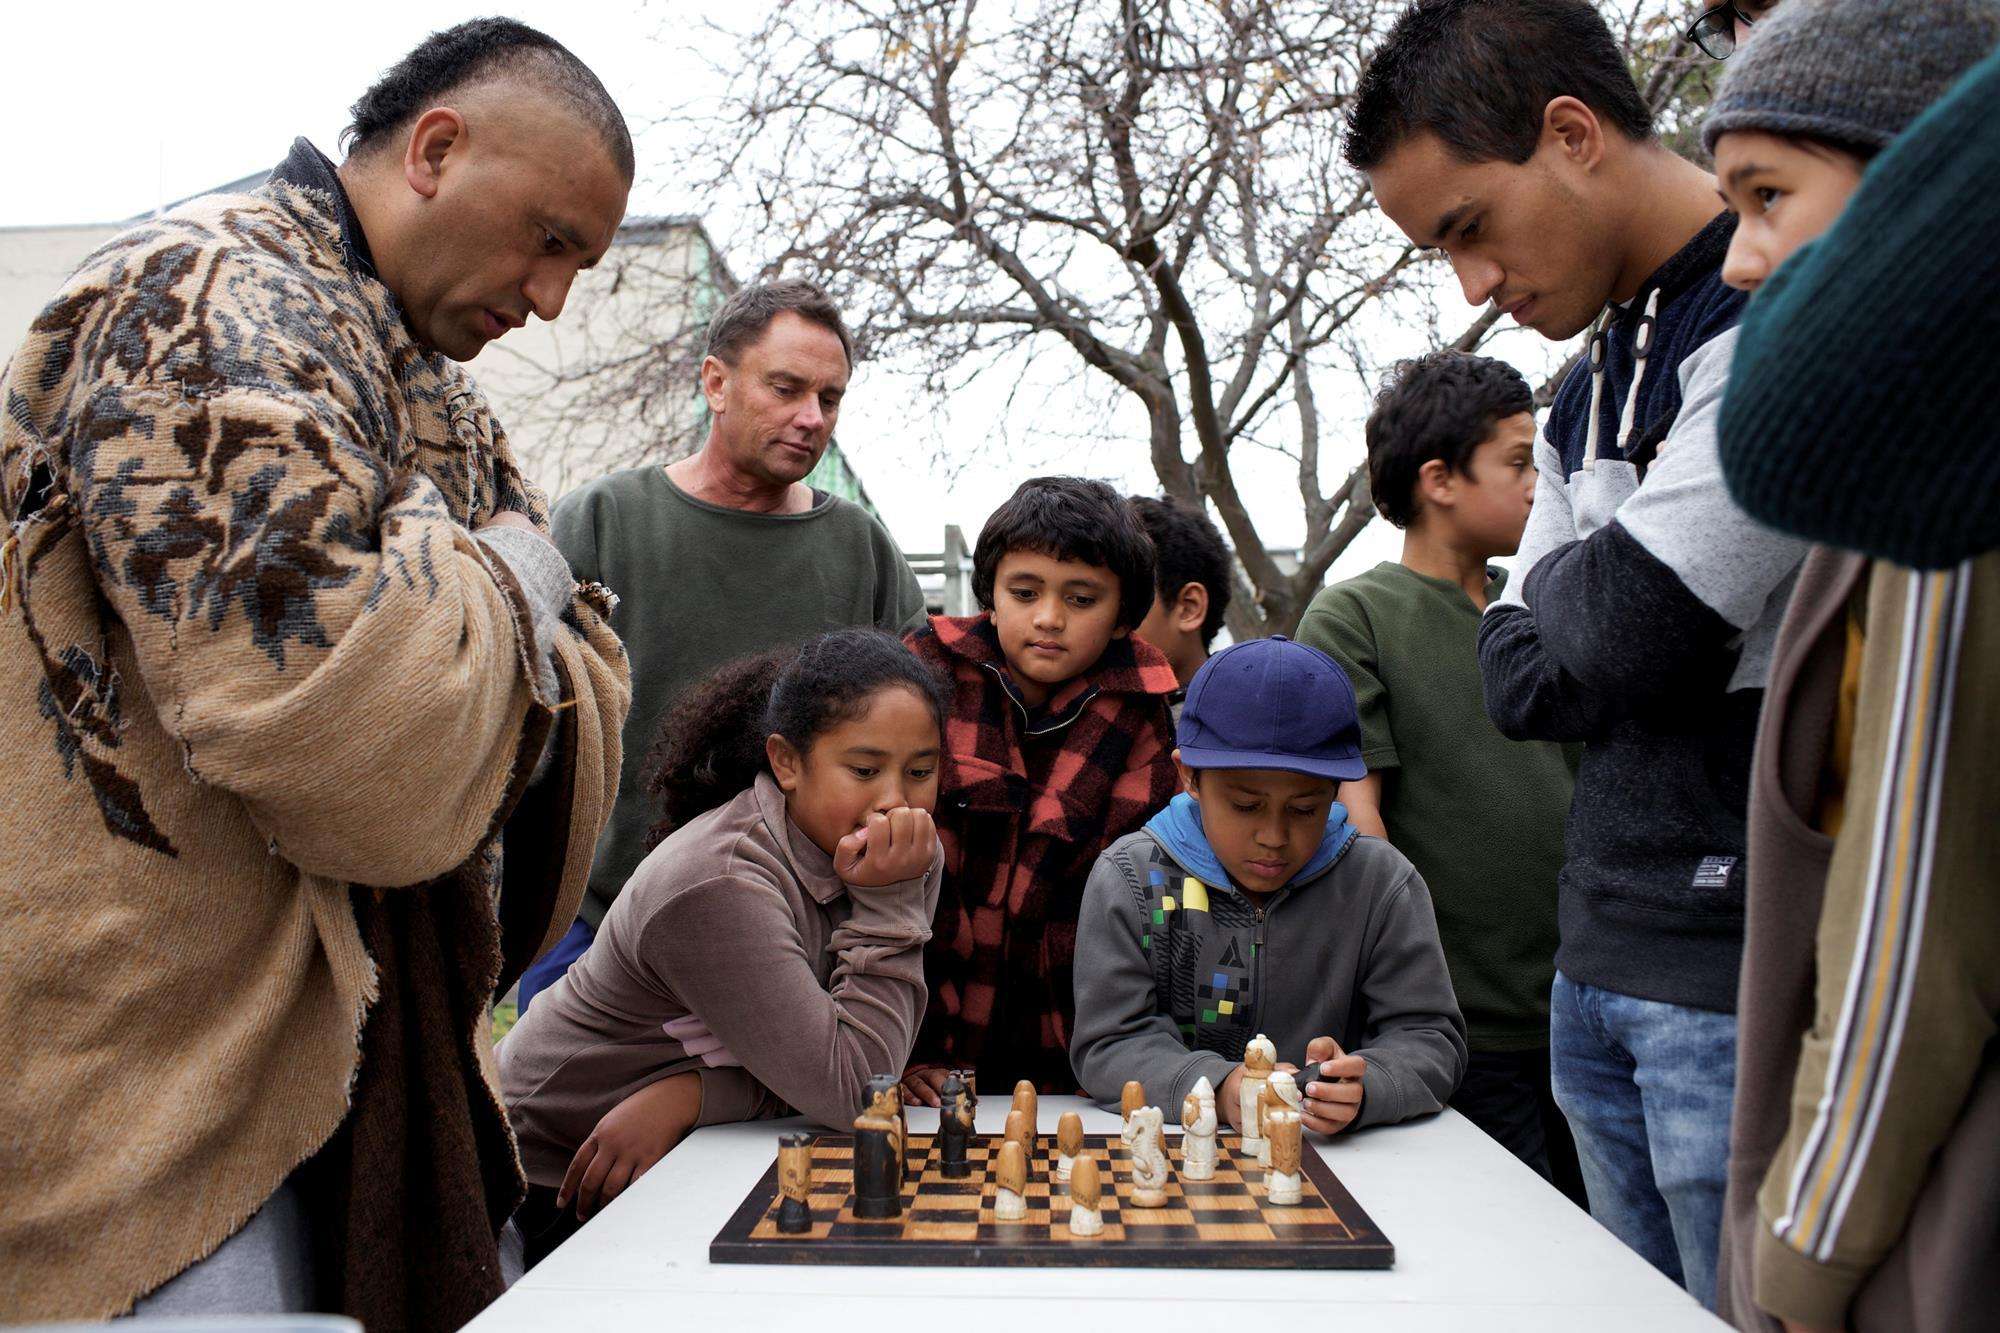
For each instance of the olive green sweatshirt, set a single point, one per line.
(700, 586)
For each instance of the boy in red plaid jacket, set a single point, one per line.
(1057, 744)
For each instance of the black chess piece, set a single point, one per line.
(954, 1129)
(877, 1174)
(878, 1153)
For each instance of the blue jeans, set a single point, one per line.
(1646, 1087)
(547, 970)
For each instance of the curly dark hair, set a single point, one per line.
(1479, 73)
(1188, 549)
(478, 49)
(1070, 518)
(1443, 406)
(710, 742)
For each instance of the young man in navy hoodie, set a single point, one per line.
(1508, 134)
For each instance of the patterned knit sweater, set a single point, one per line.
(262, 697)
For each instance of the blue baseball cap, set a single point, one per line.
(1272, 703)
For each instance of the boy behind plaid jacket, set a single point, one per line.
(1058, 742)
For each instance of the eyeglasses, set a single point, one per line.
(1715, 31)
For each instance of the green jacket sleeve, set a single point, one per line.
(1909, 980)
(899, 599)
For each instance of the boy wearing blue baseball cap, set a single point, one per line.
(1251, 905)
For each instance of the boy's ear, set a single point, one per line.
(788, 766)
(1190, 608)
(1189, 778)
(1435, 485)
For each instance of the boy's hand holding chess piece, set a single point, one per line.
(1332, 1085)
(1331, 1082)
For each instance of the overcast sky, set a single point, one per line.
(113, 108)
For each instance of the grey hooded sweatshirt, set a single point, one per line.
(1176, 969)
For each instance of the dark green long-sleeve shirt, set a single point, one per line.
(1481, 816)
(699, 586)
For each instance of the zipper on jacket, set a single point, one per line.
(1257, 969)
(1027, 721)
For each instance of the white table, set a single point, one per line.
(1481, 1242)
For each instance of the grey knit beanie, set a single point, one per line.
(1851, 72)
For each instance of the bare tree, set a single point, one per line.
(1152, 189)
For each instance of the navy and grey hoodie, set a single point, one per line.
(1641, 622)
(1176, 969)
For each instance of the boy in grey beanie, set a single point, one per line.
(1851, 73)
(1805, 105)
(1844, 1209)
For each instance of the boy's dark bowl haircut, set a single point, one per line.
(1444, 406)
(1187, 549)
(1070, 518)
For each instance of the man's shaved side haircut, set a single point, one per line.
(480, 51)
(1479, 74)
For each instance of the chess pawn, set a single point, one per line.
(1017, 1132)
(954, 1129)
(1026, 1102)
(1130, 1100)
(1199, 1122)
(1260, 1058)
(1282, 1184)
(970, 1079)
(1281, 1093)
(794, 1183)
(1086, 1216)
(1010, 1195)
(1145, 1145)
(1069, 1144)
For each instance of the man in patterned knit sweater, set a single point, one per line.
(307, 732)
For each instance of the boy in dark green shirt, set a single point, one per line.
(1451, 462)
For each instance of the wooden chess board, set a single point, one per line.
(1221, 1223)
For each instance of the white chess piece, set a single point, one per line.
(1260, 1057)
(1010, 1180)
(1069, 1145)
(1281, 1093)
(1149, 1158)
(1199, 1122)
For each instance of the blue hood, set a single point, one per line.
(1178, 827)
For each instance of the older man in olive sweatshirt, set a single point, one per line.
(728, 552)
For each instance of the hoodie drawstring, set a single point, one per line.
(1642, 347)
(1596, 389)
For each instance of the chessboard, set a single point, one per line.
(1221, 1223)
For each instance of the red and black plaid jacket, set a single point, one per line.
(1025, 805)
